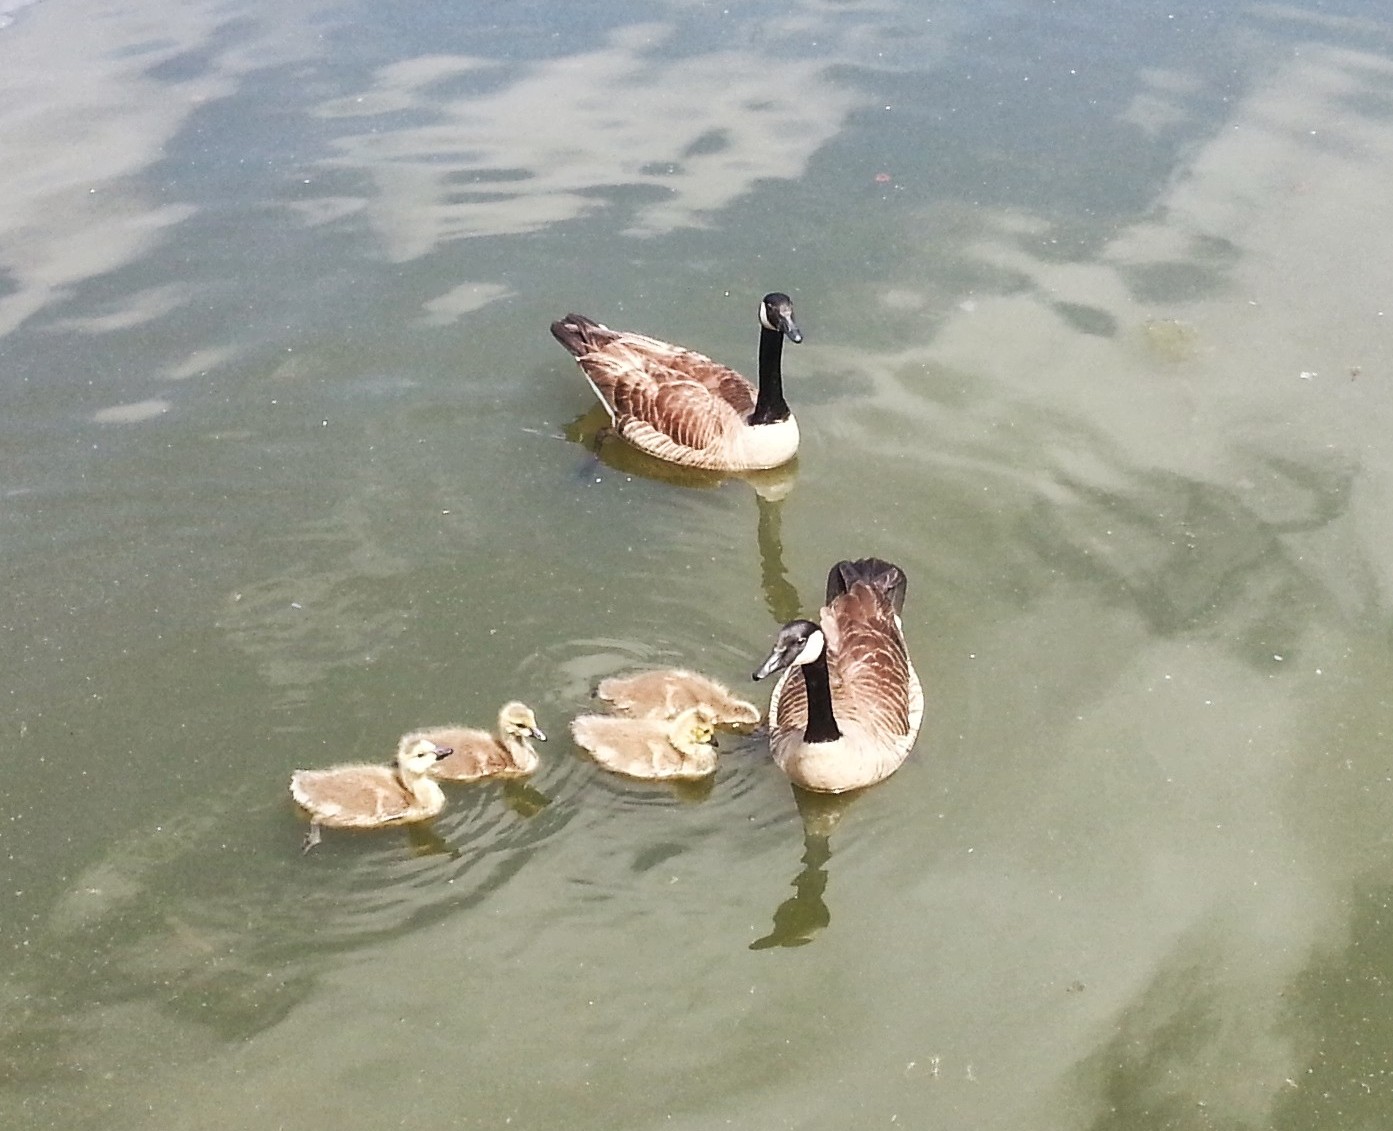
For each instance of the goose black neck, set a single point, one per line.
(822, 725)
(771, 407)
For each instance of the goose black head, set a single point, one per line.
(798, 642)
(776, 313)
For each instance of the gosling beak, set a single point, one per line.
(443, 752)
(714, 744)
(536, 732)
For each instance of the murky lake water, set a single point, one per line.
(1097, 309)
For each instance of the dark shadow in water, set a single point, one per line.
(799, 919)
(1330, 1037)
(660, 791)
(524, 799)
(591, 430)
(425, 841)
(694, 791)
(1339, 1004)
(780, 597)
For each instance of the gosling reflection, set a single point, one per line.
(523, 799)
(425, 841)
(799, 919)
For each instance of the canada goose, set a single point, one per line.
(665, 692)
(847, 709)
(479, 754)
(683, 407)
(366, 796)
(682, 747)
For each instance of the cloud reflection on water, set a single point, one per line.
(680, 136)
(78, 209)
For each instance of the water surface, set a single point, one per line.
(1097, 348)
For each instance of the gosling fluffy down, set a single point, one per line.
(367, 796)
(479, 754)
(666, 692)
(682, 748)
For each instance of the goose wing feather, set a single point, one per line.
(867, 666)
(656, 415)
(868, 662)
(624, 363)
(660, 362)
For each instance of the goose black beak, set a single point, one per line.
(773, 663)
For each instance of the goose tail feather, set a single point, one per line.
(580, 335)
(882, 575)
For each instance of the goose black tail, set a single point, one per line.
(578, 334)
(883, 575)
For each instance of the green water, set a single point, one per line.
(1097, 310)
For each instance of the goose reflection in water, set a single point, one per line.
(771, 487)
(799, 919)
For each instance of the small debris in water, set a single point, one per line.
(1170, 339)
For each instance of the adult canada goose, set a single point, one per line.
(479, 754)
(665, 692)
(847, 709)
(365, 796)
(683, 407)
(680, 748)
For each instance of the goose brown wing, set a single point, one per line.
(625, 358)
(867, 661)
(724, 382)
(684, 412)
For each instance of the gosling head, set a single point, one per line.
(694, 730)
(798, 642)
(416, 754)
(776, 313)
(517, 721)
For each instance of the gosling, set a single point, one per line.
(367, 796)
(680, 749)
(666, 692)
(479, 754)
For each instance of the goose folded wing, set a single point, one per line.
(664, 362)
(868, 662)
(686, 412)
